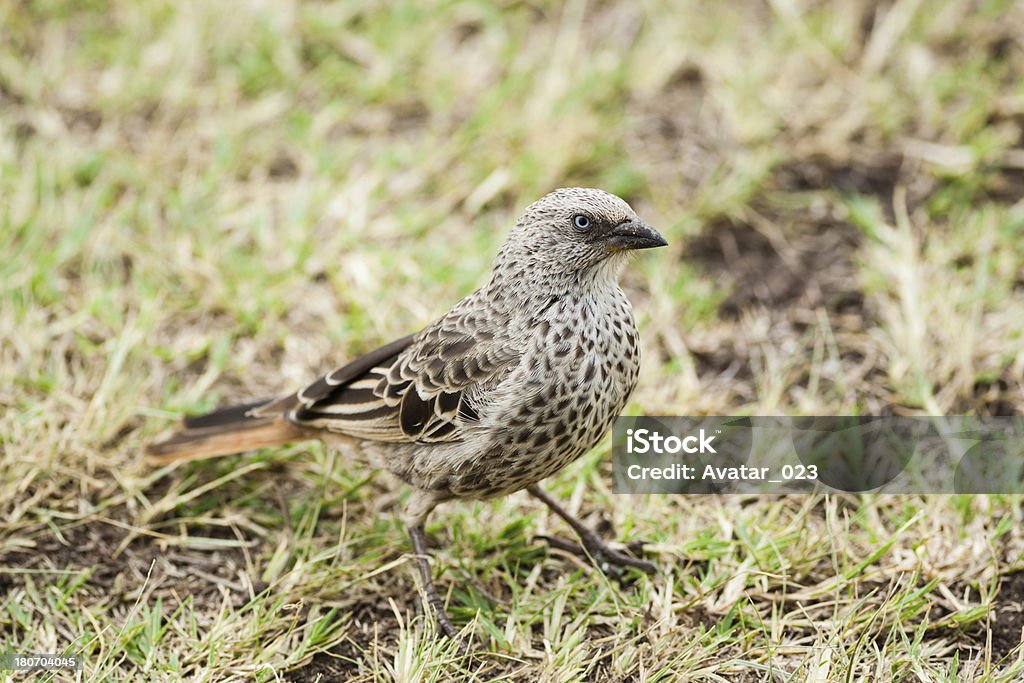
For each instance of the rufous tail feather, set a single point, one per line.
(223, 432)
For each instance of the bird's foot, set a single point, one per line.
(606, 558)
(444, 624)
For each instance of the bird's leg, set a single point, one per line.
(603, 555)
(417, 508)
(419, 546)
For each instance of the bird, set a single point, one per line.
(517, 380)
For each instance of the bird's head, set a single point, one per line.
(575, 233)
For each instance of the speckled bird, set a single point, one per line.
(512, 384)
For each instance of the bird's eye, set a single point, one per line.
(581, 222)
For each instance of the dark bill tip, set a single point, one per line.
(634, 235)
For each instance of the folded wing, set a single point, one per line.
(424, 388)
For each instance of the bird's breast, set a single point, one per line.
(579, 365)
(581, 368)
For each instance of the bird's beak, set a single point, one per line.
(633, 235)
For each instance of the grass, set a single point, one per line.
(204, 202)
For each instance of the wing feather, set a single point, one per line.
(423, 388)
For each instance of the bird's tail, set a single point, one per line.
(226, 431)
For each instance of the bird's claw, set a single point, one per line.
(445, 625)
(606, 558)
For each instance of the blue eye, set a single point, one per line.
(581, 222)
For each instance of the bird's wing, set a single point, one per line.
(422, 388)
